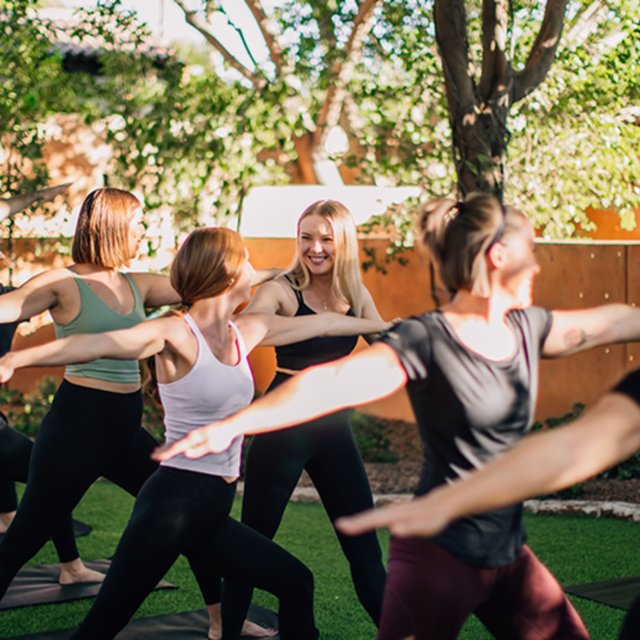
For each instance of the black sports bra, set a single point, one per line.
(300, 355)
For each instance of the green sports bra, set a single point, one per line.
(95, 316)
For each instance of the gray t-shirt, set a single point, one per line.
(470, 409)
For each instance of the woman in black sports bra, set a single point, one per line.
(324, 277)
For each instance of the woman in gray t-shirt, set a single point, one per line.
(471, 370)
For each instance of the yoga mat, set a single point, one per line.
(619, 593)
(79, 529)
(39, 585)
(190, 625)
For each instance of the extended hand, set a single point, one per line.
(411, 519)
(6, 369)
(211, 438)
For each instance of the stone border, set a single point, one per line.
(596, 509)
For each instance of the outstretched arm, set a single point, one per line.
(574, 331)
(141, 341)
(271, 330)
(35, 296)
(541, 463)
(362, 377)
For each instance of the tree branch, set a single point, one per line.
(451, 36)
(275, 50)
(341, 72)
(495, 64)
(14, 204)
(203, 28)
(543, 51)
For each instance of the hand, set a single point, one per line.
(6, 368)
(211, 438)
(411, 519)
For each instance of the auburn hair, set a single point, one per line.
(209, 261)
(102, 231)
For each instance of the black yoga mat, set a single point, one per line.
(173, 626)
(619, 593)
(39, 585)
(79, 529)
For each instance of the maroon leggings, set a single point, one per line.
(430, 593)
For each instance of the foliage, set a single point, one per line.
(195, 134)
(575, 140)
(33, 85)
(27, 411)
(371, 436)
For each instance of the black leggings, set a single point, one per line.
(327, 450)
(87, 433)
(179, 512)
(15, 454)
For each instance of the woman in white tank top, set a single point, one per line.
(203, 375)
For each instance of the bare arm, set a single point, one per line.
(362, 377)
(265, 275)
(141, 341)
(574, 331)
(541, 463)
(271, 330)
(38, 294)
(268, 298)
(155, 289)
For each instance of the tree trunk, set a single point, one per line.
(480, 142)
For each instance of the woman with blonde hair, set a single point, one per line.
(324, 278)
(203, 374)
(471, 371)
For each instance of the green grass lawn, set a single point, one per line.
(577, 549)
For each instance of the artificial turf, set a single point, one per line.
(578, 550)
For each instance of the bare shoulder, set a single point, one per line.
(275, 296)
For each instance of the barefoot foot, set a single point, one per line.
(253, 630)
(76, 572)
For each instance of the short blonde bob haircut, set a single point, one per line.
(347, 279)
(102, 231)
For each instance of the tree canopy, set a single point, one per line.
(557, 81)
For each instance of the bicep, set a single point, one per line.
(140, 341)
(369, 309)
(574, 331)
(155, 289)
(370, 374)
(266, 299)
(35, 296)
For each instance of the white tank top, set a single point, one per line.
(210, 391)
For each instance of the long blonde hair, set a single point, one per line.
(459, 235)
(346, 284)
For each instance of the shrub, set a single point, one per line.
(371, 436)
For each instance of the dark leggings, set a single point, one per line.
(87, 433)
(15, 454)
(327, 450)
(179, 512)
(631, 625)
(430, 593)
